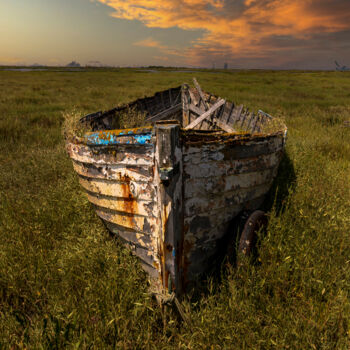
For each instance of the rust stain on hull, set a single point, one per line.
(130, 205)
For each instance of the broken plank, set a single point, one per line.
(199, 89)
(218, 122)
(194, 99)
(206, 114)
(165, 113)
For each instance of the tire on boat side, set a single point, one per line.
(248, 239)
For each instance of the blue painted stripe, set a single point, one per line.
(107, 138)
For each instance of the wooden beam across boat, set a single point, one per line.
(218, 122)
(205, 115)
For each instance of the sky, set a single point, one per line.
(245, 34)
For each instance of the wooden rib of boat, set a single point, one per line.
(170, 190)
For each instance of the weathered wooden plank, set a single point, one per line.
(194, 99)
(219, 123)
(170, 97)
(203, 227)
(214, 185)
(121, 154)
(185, 110)
(152, 272)
(244, 118)
(243, 149)
(132, 189)
(255, 124)
(208, 227)
(141, 207)
(230, 113)
(230, 166)
(144, 255)
(135, 222)
(225, 127)
(164, 114)
(132, 236)
(208, 99)
(207, 203)
(206, 114)
(147, 258)
(199, 89)
(236, 114)
(250, 119)
(169, 167)
(113, 171)
(193, 108)
(265, 114)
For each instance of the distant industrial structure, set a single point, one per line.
(73, 64)
(340, 68)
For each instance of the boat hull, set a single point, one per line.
(169, 193)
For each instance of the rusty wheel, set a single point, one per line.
(248, 238)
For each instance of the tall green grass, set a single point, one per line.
(64, 282)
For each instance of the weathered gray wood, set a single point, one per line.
(229, 114)
(205, 124)
(264, 114)
(208, 100)
(128, 155)
(206, 204)
(249, 121)
(195, 109)
(255, 123)
(236, 115)
(221, 111)
(230, 166)
(185, 110)
(244, 117)
(177, 97)
(132, 236)
(194, 100)
(165, 113)
(195, 187)
(170, 194)
(162, 99)
(221, 151)
(113, 171)
(200, 93)
(206, 114)
(170, 97)
(218, 122)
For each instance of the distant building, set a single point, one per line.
(73, 64)
(225, 65)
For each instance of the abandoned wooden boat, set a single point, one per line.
(170, 189)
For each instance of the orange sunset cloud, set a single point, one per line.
(238, 29)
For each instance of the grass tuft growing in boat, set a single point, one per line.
(72, 127)
(273, 125)
(127, 118)
(131, 118)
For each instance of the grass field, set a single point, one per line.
(64, 282)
